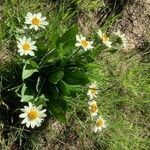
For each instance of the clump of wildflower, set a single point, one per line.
(93, 91)
(104, 38)
(26, 46)
(35, 21)
(100, 123)
(81, 41)
(32, 115)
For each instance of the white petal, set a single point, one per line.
(44, 110)
(29, 14)
(33, 47)
(39, 107)
(108, 44)
(30, 105)
(100, 33)
(28, 40)
(42, 26)
(35, 27)
(24, 121)
(95, 129)
(39, 15)
(91, 42)
(32, 42)
(78, 38)
(100, 128)
(23, 115)
(19, 46)
(42, 115)
(31, 53)
(43, 19)
(27, 21)
(21, 53)
(31, 26)
(83, 38)
(45, 23)
(38, 122)
(32, 124)
(94, 114)
(28, 124)
(77, 44)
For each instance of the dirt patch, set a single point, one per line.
(5, 57)
(135, 23)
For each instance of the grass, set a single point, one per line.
(123, 98)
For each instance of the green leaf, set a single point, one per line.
(26, 98)
(41, 100)
(56, 77)
(26, 94)
(66, 43)
(75, 77)
(57, 107)
(29, 68)
(63, 88)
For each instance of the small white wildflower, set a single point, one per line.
(35, 20)
(81, 41)
(93, 108)
(104, 38)
(32, 115)
(93, 91)
(100, 124)
(26, 46)
(122, 37)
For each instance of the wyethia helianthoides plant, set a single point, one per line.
(50, 73)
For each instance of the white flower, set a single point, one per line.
(81, 41)
(93, 91)
(26, 46)
(32, 115)
(104, 38)
(93, 108)
(100, 124)
(35, 20)
(122, 37)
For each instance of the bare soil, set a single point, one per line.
(135, 23)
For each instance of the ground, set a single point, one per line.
(123, 80)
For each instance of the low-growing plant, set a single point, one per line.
(51, 69)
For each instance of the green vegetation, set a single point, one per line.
(123, 82)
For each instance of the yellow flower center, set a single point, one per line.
(93, 90)
(36, 21)
(84, 43)
(33, 114)
(93, 108)
(26, 46)
(105, 38)
(99, 122)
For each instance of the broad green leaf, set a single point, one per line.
(29, 68)
(57, 107)
(63, 88)
(66, 43)
(27, 73)
(26, 94)
(41, 100)
(75, 77)
(56, 77)
(26, 98)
